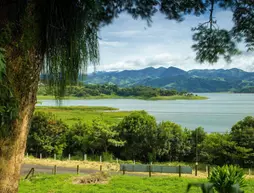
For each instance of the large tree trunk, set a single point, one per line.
(23, 65)
(12, 149)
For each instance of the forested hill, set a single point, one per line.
(231, 80)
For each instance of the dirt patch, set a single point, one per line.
(97, 178)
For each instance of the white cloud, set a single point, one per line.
(130, 44)
(127, 33)
(112, 43)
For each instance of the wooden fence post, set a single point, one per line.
(85, 157)
(100, 167)
(54, 156)
(150, 170)
(123, 169)
(180, 171)
(77, 169)
(249, 171)
(55, 168)
(100, 159)
(196, 169)
(40, 155)
(208, 170)
(69, 157)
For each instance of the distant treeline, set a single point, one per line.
(138, 137)
(246, 90)
(109, 89)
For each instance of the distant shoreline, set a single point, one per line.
(174, 97)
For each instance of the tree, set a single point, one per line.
(176, 140)
(197, 137)
(243, 135)
(60, 38)
(47, 135)
(104, 135)
(77, 139)
(138, 130)
(95, 138)
(219, 149)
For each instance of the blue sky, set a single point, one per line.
(131, 44)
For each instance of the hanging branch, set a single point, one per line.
(211, 14)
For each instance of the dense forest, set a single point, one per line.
(139, 137)
(86, 90)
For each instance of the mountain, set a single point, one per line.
(219, 80)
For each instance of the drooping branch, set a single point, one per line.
(211, 14)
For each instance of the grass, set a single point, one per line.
(175, 97)
(117, 184)
(71, 115)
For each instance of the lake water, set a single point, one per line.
(217, 114)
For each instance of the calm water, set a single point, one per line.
(218, 113)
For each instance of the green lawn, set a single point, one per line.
(175, 97)
(71, 115)
(118, 184)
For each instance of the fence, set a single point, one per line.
(200, 168)
(155, 168)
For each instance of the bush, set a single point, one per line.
(47, 135)
(223, 178)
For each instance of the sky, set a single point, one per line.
(130, 44)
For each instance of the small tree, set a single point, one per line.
(47, 135)
(138, 130)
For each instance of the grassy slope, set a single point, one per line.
(118, 184)
(175, 97)
(71, 115)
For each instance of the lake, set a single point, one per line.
(216, 114)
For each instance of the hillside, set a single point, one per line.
(220, 80)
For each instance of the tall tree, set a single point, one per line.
(60, 37)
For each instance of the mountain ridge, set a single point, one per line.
(196, 80)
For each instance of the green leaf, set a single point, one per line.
(2, 62)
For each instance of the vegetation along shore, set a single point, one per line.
(109, 91)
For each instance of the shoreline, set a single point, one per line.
(174, 97)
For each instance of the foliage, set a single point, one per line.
(213, 43)
(139, 131)
(47, 135)
(113, 90)
(94, 138)
(219, 149)
(225, 179)
(243, 135)
(2, 63)
(173, 139)
(136, 137)
(8, 110)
